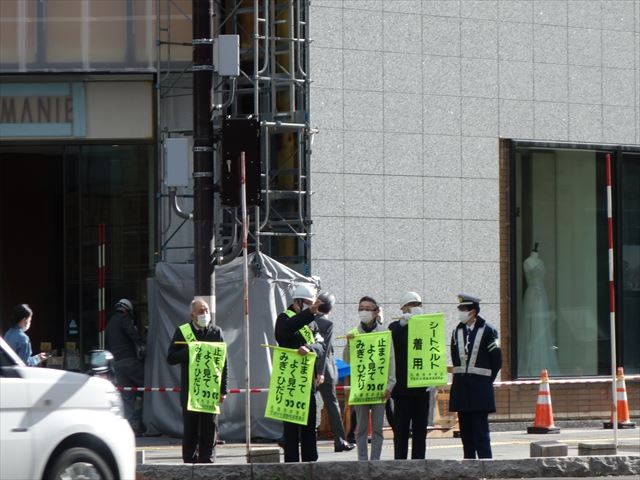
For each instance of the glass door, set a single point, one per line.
(110, 186)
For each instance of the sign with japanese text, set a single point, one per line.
(290, 386)
(426, 351)
(370, 354)
(307, 335)
(206, 362)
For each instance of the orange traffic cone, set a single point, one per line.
(624, 419)
(543, 422)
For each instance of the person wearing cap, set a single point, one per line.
(296, 328)
(370, 317)
(328, 377)
(18, 340)
(124, 341)
(411, 405)
(199, 428)
(477, 359)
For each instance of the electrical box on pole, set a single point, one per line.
(226, 55)
(240, 135)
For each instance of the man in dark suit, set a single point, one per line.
(477, 358)
(328, 379)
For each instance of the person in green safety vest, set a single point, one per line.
(198, 438)
(411, 404)
(370, 316)
(296, 328)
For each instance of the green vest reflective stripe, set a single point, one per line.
(307, 335)
(305, 332)
(187, 333)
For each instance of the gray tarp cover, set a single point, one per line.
(170, 295)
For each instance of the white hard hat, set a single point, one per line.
(410, 297)
(305, 292)
(124, 303)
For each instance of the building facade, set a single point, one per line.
(456, 137)
(449, 140)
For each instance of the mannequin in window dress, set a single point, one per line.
(536, 344)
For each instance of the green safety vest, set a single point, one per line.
(187, 333)
(305, 332)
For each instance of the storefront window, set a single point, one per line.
(630, 271)
(54, 197)
(561, 261)
(107, 185)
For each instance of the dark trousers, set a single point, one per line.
(474, 431)
(301, 438)
(328, 392)
(198, 437)
(410, 411)
(130, 373)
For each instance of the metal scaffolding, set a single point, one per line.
(273, 86)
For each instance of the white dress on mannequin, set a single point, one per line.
(536, 346)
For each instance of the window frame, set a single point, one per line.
(616, 151)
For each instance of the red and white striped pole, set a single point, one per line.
(102, 280)
(245, 300)
(612, 302)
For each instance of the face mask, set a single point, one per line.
(463, 316)
(203, 320)
(304, 307)
(365, 316)
(416, 310)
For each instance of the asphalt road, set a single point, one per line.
(505, 445)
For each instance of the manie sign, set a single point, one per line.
(42, 109)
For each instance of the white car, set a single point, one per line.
(60, 425)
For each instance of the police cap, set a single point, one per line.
(468, 301)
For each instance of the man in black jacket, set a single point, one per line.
(124, 341)
(198, 438)
(476, 358)
(411, 405)
(296, 328)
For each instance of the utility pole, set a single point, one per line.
(204, 237)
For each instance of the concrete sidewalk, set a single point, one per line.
(507, 445)
(162, 460)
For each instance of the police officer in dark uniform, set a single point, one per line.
(476, 360)
(296, 328)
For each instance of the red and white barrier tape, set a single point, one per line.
(346, 387)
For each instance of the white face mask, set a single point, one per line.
(203, 320)
(365, 316)
(416, 310)
(464, 316)
(304, 307)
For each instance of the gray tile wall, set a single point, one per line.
(410, 98)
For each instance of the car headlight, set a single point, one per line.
(115, 404)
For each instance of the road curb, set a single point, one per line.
(548, 467)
